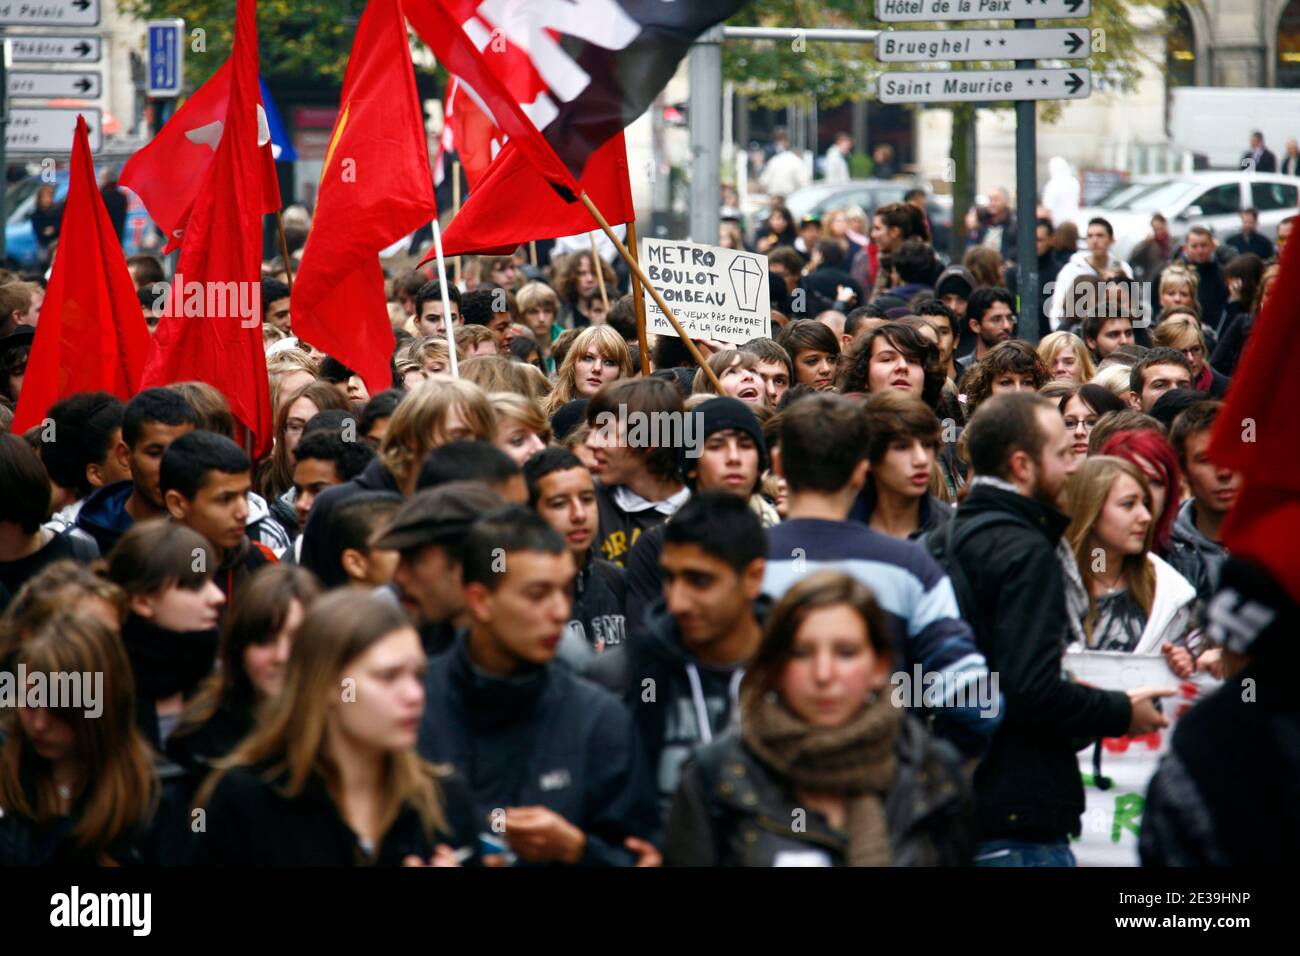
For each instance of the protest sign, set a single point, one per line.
(1112, 819)
(719, 294)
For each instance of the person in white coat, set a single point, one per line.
(1096, 261)
(1120, 595)
(835, 168)
(786, 171)
(1061, 193)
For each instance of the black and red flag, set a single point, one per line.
(563, 77)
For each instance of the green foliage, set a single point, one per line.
(777, 74)
(298, 39)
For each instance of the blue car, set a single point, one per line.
(20, 239)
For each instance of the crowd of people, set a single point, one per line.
(475, 620)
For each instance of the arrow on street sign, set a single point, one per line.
(979, 86)
(50, 13)
(927, 11)
(923, 46)
(44, 85)
(55, 49)
(47, 131)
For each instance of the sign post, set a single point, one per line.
(1027, 208)
(63, 48)
(47, 130)
(166, 58)
(41, 84)
(50, 13)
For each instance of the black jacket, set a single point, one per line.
(547, 738)
(1260, 245)
(195, 750)
(250, 821)
(645, 580)
(1028, 784)
(934, 512)
(733, 810)
(319, 554)
(667, 720)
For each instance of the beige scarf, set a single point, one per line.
(855, 760)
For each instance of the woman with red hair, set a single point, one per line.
(1155, 457)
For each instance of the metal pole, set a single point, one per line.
(706, 136)
(4, 134)
(1030, 311)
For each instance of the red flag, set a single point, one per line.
(168, 173)
(213, 328)
(471, 133)
(1254, 434)
(92, 336)
(375, 188)
(511, 204)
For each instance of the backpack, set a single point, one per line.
(945, 543)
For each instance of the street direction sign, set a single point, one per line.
(923, 46)
(49, 13)
(49, 131)
(927, 11)
(977, 86)
(83, 85)
(166, 57)
(29, 48)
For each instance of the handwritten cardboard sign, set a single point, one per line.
(719, 294)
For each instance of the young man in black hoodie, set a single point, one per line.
(151, 421)
(562, 491)
(205, 482)
(681, 676)
(1002, 553)
(557, 771)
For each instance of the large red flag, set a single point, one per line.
(213, 329)
(1254, 433)
(168, 173)
(511, 204)
(471, 133)
(375, 188)
(92, 336)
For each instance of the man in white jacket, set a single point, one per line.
(1096, 261)
(785, 172)
(836, 168)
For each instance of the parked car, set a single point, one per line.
(868, 194)
(1212, 199)
(139, 234)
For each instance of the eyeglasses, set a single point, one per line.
(1072, 423)
(1194, 352)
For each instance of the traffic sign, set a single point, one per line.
(47, 130)
(29, 48)
(977, 86)
(926, 11)
(923, 46)
(50, 13)
(43, 85)
(166, 57)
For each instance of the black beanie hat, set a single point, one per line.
(717, 415)
(568, 417)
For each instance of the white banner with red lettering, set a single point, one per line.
(1113, 817)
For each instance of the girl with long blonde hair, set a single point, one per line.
(1121, 595)
(597, 356)
(330, 775)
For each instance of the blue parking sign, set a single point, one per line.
(166, 57)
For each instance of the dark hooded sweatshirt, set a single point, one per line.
(687, 705)
(319, 553)
(545, 737)
(103, 515)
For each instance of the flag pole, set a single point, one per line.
(638, 299)
(654, 293)
(284, 251)
(446, 299)
(532, 252)
(455, 211)
(596, 267)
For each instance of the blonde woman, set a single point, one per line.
(597, 356)
(330, 776)
(539, 306)
(440, 410)
(1066, 357)
(522, 428)
(1181, 330)
(1178, 288)
(1120, 595)
(428, 352)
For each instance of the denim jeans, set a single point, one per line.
(1022, 853)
